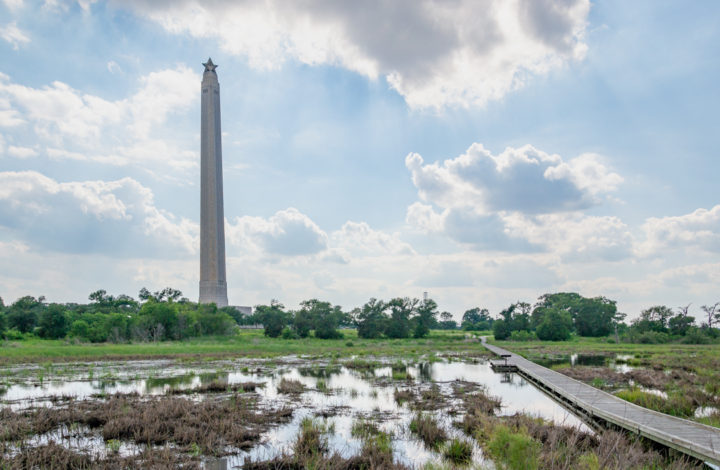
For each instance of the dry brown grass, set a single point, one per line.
(55, 457)
(210, 425)
(290, 387)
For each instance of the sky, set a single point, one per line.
(483, 151)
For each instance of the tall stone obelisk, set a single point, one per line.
(213, 284)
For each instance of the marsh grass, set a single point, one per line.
(675, 404)
(428, 430)
(213, 425)
(290, 387)
(459, 452)
(402, 396)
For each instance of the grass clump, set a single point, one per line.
(513, 450)
(364, 428)
(311, 441)
(458, 452)
(428, 430)
(675, 404)
(290, 387)
(402, 396)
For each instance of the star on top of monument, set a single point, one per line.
(209, 66)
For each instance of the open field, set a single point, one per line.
(677, 379)
(247, 343)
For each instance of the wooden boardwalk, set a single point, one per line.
(689, 437)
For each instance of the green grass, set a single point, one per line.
(674, 404)
(513, 450)
(458, 452)
(247, 343)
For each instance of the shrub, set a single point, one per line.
(428, 430)
(459, 452)
(288, 333)
(501, 330)
(514, 451)
(522, 336)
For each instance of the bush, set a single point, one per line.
(501, 330)
(516, 451)
(522, 335)
(288, 333)
(695, 335)
(14, 335)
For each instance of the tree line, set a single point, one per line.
(167, 315)
(556, 317)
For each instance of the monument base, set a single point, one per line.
(214, 291)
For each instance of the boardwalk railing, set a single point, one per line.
(689, 437)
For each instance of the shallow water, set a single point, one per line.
(346, 396)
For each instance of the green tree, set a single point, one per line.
(426, 317)
(654, 319)
(272, 317)
(302, 323)
(53, 322)
(681, 323)
(591, 316)
(23, 314)
(555, 326)
(476, 319)
(401, 310)
(371, 319)
(447, 322)
(160, 319)
(79, 329)
(3, 321)
(325, 318)
(501, 329)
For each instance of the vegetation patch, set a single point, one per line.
(290, 386)
(675, 404)
(459, 452)
(428, 430)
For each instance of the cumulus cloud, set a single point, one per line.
(525, 180)
(574, 236)
(434, 54)
(358, 238)
(287, 232)
(86, 127)
(699, 229)
(21, 152)
(14, 35)
(112, 217)
(522, 200)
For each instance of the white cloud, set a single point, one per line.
(287, 232)
(78, 126)
(14, 35)
(13, 4)
(113, 67)
(358, 238)
(526, 180)
(434, 54)
(699, 229)
(112, 217)
(21, 152)
(522, 200)
(575, 236)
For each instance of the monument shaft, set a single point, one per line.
(213, 283)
